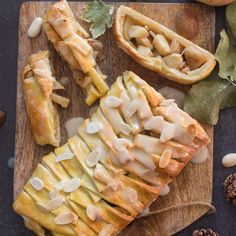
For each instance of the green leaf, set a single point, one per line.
(231, 17)
(226, 57)
(99, 15)
(205, 99)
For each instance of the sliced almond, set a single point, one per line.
(113, 102)
(165, 158)
(55, 203)
(132, 108)
(37, 183)
(93, 157)
(130, 195)
(168, 133)
(64, 156)
(66, 218)
(121, 144)
(42, 207)
(60, 185)
(94, 127)
(35, 27)
(136, 31)
(94, 213)
(71, 185)
(53, 194)
(228, 160)
(107, 230)
(165, 190)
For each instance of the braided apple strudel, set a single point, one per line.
(134, 144)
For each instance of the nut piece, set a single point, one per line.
(130, 195)
(37, 183)
(144, 51)
(93, 157)
(136, 31)
(107, 230)
(94, 127)
(229, 160)
(165, 158)
(66, 218)
(2, 118)
(186, 24)
(165, 190)
(94, 213)
(35, 27)
(72, 126)
(194, 57)
(175, 46)
(64, 156)
(174, 60)
(55, 203)
(71, 185)
(161, 44)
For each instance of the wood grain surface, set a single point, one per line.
(192, 186)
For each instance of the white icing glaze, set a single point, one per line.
(201, 156)
(113, 102)
(229, 160)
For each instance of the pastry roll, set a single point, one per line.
(38, 85)
(159, 49)
(71, 41)
(114, 167)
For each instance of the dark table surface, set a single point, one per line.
(223, 221)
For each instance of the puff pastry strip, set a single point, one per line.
(118, 174)
(38, 85)
(159, 49)
(70, 40)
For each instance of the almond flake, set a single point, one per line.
(93, 157)
(165, 158)
(60, 185)
(37, 183)
(55, 203)
(53, 194)
(107, 230)
(64, 156)
(130, 195)
(71, 185)
(120, 144)
(41, 207)
(94, 127)
(165, 190)
(72, 126)
(113, 102)
(94, 213)
(66, 218)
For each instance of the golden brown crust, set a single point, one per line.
(38, 84)
(158, 65)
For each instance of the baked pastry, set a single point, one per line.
(159, 49)
(134, 144)
(38, 85)
(71, 41)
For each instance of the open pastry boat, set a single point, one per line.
(134, 144)
(159, 49)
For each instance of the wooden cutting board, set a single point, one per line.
(193, 185)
